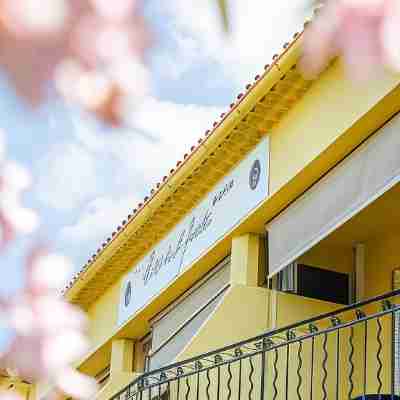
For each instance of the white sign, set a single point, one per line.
(224, 207)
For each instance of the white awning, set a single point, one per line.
(173, 331)
(358, 180)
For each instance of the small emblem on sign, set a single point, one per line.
(128, 294)
(255, 173)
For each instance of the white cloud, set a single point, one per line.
(176, 126)
(98, 219)
(259, 28)
(189, 49)
(66, 176)
(114, 170)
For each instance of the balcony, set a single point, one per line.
(345, 354)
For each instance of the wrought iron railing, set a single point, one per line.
(343, 354)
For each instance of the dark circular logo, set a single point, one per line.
(255, 173)
(128, 294)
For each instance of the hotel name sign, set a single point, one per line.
(232, 199)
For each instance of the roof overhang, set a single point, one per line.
(267, 100)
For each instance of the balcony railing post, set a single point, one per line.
(240, 380)
(393, 352)
(197, 385)
(337, 364)
(365, 355)
(312, 367)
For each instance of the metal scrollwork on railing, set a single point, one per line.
(325, 371)
(378, 355)
(251, 378)
(218, 359)
(387, 305)
(351, 363)
(360, 314)
(299, 366)
(208, 384)
(187, 389)
(238, 352)
(229, 382)
(266, 343)
(198, 365)
(335, 321)
(275, 387)
(290, 335)
(312, 328)
(233, 371)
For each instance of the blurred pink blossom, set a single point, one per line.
(48, 331)
(14, 218)
(117, 10)
(94, 49)
(364, 32)
(2, 146)
(9, 395)
(38, 37)
(34, 17)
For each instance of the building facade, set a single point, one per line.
(265, 264)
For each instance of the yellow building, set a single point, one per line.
(237, 277)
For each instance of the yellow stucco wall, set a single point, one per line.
(382, 257)
(103, 315)
(241, 314)
(330, 107)
(115, 384)
(292, 308)
(25, 390)
(335, 259)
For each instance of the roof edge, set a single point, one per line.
(244, 102)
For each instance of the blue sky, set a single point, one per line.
(87, 178)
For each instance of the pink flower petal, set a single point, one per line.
(77, 385)
(9, 395)
(116, 10)
(15, 178)
(25, 356)
(53, 315)
(60, 350)
(390, 35)
(364, 32)
(6, 231)
(35, 17)
(360, 45)
(22, 219)
(2, 146)
(29, 64)
(320, 40)
(21, 317)
(50, 271)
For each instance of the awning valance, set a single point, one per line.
(358, 180)
(174, 330)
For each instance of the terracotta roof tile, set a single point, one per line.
(179, 164)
